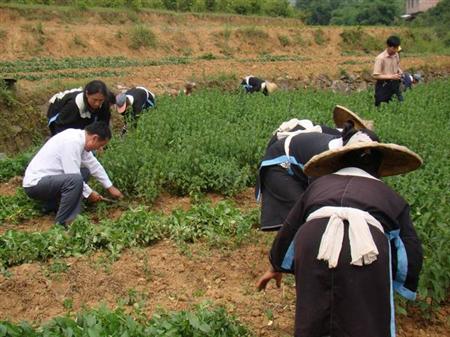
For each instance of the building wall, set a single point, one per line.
(415, 6)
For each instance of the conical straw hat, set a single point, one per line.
(396, 159)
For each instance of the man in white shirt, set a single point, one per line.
(54, 174)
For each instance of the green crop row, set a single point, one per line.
(16, 208)
(14, 166)
(203, 321)
(89, 74)
(40, 64)
(213, 142)
(44, 64)
(221, 225)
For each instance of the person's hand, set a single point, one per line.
(100, 151)
(94, 197)
(265, 279)
(396, 77)
(115, 193)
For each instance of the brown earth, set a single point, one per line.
(166, 276)
(58, 34)
(235, 43)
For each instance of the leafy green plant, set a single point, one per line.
(14, 209)
(284, 40)
(141, 36)
(202, 321)
(319, 37)
(222, 225)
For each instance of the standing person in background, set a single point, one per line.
(253, 84)
(387, 72)
(55, 177)
(139, 98)
(79, 107)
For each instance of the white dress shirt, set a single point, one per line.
(64, 153)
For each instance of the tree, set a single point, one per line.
(277, 8)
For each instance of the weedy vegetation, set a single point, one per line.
(203, 320)
(212, 142)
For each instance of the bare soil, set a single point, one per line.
(163, 274)
(167, 276)
(55, 34)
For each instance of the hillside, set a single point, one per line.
(53, 48)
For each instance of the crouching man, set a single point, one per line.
(56, 176)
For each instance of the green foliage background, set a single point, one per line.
(244, 7)
(213, 141)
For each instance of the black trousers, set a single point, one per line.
(346, 301)
(385, 89)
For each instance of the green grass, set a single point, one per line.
(252, 33)
(142, 37)
(358, 40)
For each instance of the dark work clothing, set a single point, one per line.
(142, 99)
(70, 110)
(252, 84)
(344, 301)
(348, 300)
(385, 89)
(281, 192)
(65, 190)
(281, 180)
(406, 83)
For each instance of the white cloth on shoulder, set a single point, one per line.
(362, 247)
(291, 124)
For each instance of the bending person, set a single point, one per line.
(253, 84)
(281, 180)
(338, 240)
(77, 108)
(54, 175)
(139, 99)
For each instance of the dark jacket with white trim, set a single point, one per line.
(140, 98)
(367, 194)
(253, 84)
(70, 110)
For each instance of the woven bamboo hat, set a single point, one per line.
(270, 87)
(342, 114)
(396, 159)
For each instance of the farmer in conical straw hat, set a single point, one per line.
(253, 84)
(338, 240)
(281, 180)
(342, 114)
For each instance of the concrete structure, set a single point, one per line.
(417, 6)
